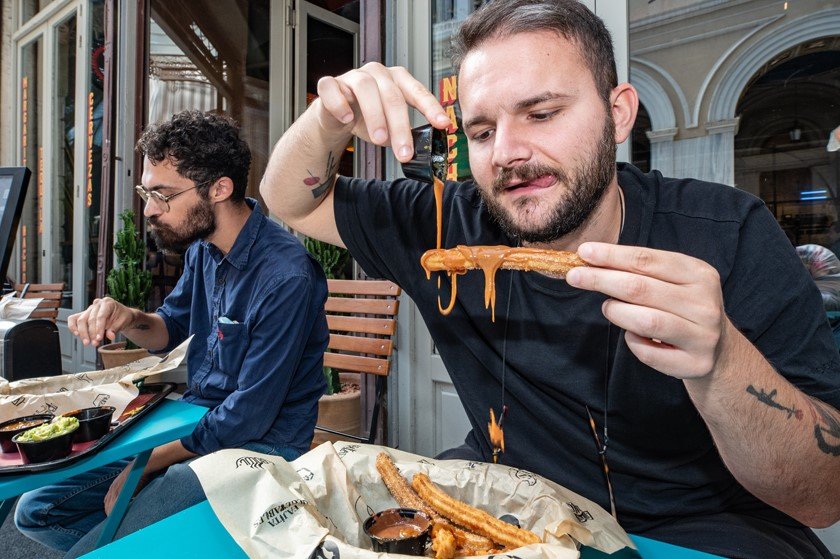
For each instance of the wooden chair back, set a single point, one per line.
(51, 294)
(361, 315)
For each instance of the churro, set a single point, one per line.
(470, 517)
(468, 542)
(456, 261)
(443, 543)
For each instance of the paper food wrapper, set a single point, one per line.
(316, 505)
(63, 393)
(14, 308)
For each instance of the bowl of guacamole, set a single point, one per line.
(47, 442)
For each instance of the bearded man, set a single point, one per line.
(253, 300)
(694, 333)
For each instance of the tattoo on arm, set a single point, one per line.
(325, 185)
(826, 427)
(769, 399)
(140, 326)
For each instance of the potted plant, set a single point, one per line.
(340, 407)
(130, 284)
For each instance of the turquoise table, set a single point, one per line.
(197, 533)
(168, 421)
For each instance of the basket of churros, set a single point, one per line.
(355, 501)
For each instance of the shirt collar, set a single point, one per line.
(241, 250)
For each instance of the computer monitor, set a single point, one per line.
(13, 184)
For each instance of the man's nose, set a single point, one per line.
(151, 209)
(510, 147)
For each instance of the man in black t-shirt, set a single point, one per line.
(695, 333)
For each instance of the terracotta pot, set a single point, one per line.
(114, 355)
(341, 412)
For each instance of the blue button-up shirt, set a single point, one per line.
(257, 314)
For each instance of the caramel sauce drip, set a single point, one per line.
(438, 210)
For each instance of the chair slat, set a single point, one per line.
(356, 363)
(51, 293)
(358, 344)
(357, 287)
(382, 326)
(40, 286)
(362, 306)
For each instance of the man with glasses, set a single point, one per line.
(694, 346)
(253, 300)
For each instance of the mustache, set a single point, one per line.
(524, 173)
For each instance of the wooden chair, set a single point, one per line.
(51, 294)
(361, 316)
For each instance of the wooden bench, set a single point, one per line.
(361, 316)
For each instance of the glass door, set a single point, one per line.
(59, 103)
(326, 44)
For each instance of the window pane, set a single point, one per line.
(31, 223)
(209, 55)
(447, 16)
(64, 135)
(29, 8)
(744, 94)
(94, 110)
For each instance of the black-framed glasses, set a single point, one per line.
(161, 200)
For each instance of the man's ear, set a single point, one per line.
(221, 190)
(624, 104)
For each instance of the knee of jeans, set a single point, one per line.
(31, 511)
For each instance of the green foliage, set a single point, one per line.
(333, 382)
(128, 282)
(332, 259)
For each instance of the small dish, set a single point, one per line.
(431, 151)
(93, 422)
(10, 428)
(50, 448)
(404, 531)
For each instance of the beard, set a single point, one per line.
(585, 187)
(199, 223)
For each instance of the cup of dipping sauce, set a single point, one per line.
(405, 531)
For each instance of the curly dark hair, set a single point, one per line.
(202, 147)
(568, 18)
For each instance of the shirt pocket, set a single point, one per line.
(231, 348)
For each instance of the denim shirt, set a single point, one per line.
(257, 315)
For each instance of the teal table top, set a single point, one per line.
(197, 533)
(168, 421)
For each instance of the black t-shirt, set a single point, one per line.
(559, 349)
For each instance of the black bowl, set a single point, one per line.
(93, 422)
(6, 435)
(403, 531)
(47, 450)
(431, 154)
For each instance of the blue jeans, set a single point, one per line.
(70, 515)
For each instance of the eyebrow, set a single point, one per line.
(522, 105)
(157, 187)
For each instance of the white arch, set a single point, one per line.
(728, 91)
(671, 81)
(654, 98)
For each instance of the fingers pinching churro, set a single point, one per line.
(472, 518)
(473, 544)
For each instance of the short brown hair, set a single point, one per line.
(569, 18)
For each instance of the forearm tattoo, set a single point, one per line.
(826, 427)
(327, 183)
(140, 326)
(826, 419)
(770, 400)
